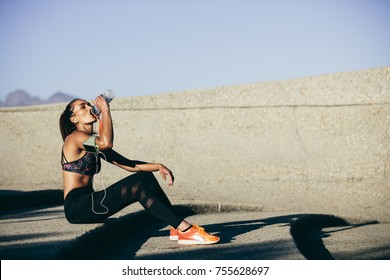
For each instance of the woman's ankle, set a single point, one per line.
(184, 226)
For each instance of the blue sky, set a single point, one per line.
(83, 47)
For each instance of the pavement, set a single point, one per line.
(41, 232)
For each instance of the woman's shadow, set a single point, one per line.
(121, 238)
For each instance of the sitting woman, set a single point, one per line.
(81, 154)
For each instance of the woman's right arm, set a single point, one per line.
(105, 140)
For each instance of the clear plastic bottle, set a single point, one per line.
(108, 96)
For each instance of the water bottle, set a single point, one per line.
(108, 96)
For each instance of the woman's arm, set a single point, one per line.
(137, 166)
(105, 140)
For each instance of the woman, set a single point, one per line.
(81, 161)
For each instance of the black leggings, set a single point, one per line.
(83, 205)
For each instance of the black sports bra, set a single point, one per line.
(89, 164)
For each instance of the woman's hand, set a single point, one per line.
(101, 103)
(166, 173)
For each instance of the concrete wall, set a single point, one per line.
(318, 144)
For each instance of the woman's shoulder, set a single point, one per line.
(76, 137)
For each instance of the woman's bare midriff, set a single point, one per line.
(74, 180)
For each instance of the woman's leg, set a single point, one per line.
(142, 187)
(85, 206)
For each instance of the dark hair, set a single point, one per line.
(66, 126)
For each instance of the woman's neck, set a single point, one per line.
(85, 128)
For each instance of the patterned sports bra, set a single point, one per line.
(89, 164)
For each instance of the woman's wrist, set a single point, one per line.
(105, 111)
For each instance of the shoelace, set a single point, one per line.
(198, 229)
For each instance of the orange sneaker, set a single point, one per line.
(173, 234)
(196, 235)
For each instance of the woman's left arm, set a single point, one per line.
(138, 166)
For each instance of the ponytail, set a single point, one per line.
(66, 126)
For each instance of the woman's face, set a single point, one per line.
(82, 112)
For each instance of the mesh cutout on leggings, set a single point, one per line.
(124, 193)
(146, 199)
(140, 194)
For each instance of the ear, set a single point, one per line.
(74, 120)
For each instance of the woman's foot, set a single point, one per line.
(195, 235)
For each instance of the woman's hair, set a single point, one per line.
(66, 126)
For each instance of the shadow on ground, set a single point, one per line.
(107, 239)
(12, 200)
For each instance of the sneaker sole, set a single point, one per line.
(174, 238)
(196, 242)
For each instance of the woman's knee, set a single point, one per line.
(148, 177)
(139, 177)
(142, 180)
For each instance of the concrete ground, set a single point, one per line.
(247, 232)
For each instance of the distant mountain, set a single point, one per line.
(60, 97)
(22, 98)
